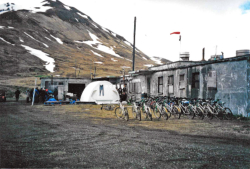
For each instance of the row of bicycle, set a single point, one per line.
(166, 107)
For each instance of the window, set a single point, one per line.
(182, 77)
(171, 80)
(135, 87)
(182, 83)
(196, 80)
(60, 83)
(160, 85)
(211, 80)
(171, 84)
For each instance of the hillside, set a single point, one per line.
(56, 39)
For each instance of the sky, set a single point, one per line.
(216, 25)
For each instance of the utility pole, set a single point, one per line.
(134, 45)
(75, 68)
(123, 77)
(51, 83)
(95, 72)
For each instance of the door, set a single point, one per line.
(148, 86)
(60, 92)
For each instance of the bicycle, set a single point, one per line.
(198, 109)
(224, 112)
(121, 112)
(158, 109)
(146, 111)
(186, 108)
(136, 111)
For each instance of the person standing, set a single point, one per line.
(28, 96)
(36, 95)
(17, 93)
(55, 93)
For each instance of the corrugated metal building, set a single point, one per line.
(64, 85)
(225, 79)
(74, 85)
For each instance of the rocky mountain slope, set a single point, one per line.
(56, 39)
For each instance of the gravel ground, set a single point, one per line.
(83, 136)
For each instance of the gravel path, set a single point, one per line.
(42, 137)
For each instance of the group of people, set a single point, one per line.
(40, 95)
(122, 93)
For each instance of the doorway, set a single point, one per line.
(76, 89)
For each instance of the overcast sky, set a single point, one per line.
(202, 23)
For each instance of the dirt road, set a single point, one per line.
(83, 136)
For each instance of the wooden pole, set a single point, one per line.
(134, 45)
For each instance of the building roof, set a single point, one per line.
(186, 64)
(63, 78)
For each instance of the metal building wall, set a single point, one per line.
(232, 83)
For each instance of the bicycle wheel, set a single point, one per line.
(138, 113)
(228, 114)
(126, 116)
(175, 112)
(149, 115)
(190, 113)
(200, 113)
(157, 113)
(119, 113)
(134, 112)
(164, 115)
(208, 114)
(168, 111)
(144, 113)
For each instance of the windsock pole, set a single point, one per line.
(134, 46)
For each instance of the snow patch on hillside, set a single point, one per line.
(105, 29)
(114, 60)
(6, 41)
(21, 39)
(129, 60)
(57, 39)
(94, 25)
(100, 46)
(33, 6)
(97, 54)
(149, 65)
(113, 34)
(84, 16)
(144, 58)
(36, 39)
(129, 44)
(108, 50)
(98, 62)
(1, 27)
(77, 20)
(48, 38)
(124, 67)
(44, 56)
(67, 7)
(156, 60)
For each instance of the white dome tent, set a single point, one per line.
(100, 92)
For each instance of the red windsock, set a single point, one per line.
(174, 33)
